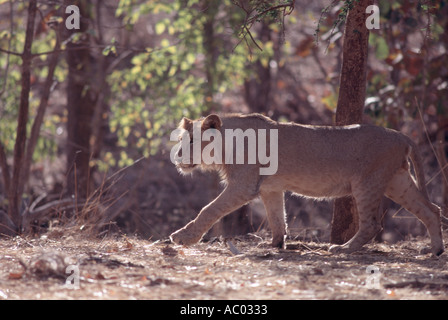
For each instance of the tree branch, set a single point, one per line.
(250, 20)
(10, 52)
(273, 8)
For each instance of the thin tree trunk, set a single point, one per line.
(5, 167)
(35, 129)
(19, 147)
(441, 154)
(211, 53)
(257, 90)
(350, 106)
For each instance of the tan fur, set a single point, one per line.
(319, 162)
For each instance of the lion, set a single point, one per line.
(318, 162)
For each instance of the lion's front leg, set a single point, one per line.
(232, 198)
(187, 235)
(275, 209)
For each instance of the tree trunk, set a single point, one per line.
(81, 101)
(211, 53)
(441, 154)
(350, 106)
(39, 117)
(19, 147)
(257, 89)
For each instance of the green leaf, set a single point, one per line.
(382, 49)
(160, 27)
(190, 58)
(165, 43)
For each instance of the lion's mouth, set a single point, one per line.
(186, 167)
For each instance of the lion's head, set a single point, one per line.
(194, 136)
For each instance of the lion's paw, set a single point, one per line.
(335, 249)
(184, 237)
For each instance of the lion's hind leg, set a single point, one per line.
(368, 200)
(402, 190)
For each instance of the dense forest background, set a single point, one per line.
(86, 113)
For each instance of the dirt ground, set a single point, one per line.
(59, 265)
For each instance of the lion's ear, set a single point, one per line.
(185, 123)
(212, 121)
